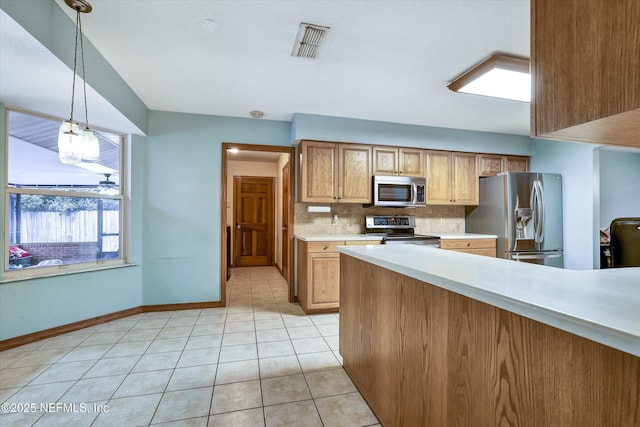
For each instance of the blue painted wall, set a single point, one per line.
(578, 165)
(619, 185)
(29, 306)
(326, 128)
(182, 202)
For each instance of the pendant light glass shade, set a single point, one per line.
(69, 144)
(90, 145)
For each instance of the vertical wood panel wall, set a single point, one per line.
(424, 356)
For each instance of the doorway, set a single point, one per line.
(253, 222)
(282, 242)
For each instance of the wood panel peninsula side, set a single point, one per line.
(489, 343)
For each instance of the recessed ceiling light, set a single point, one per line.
(209, 25)
(233, 150)
(500, 76)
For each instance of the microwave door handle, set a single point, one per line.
(414, 193)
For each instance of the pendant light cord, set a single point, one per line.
(75, 61)
(75, 64)
(84, 79)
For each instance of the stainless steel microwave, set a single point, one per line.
(399, 191)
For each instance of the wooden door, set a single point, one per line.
(319, 174)
(253, 211)
(411, 162)
(465, 187)
(355, 173)
(285, 221)
(438, 178)
(385, 161)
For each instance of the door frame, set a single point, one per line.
(223, 211)
(286, 205)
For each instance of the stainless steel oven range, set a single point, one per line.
(397, 230)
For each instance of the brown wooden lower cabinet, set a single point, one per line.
(424, 356)
(319, 274)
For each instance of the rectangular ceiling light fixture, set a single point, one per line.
(308, 40)
(500, 76)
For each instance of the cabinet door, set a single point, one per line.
(354, 174)
(575, 45)
(515, 164)
(438, 178)
(411, 162)
(490, 165)
(318, 172)
(385, 161)
(466, 189)
(324, 274)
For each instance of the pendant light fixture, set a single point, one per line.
(75, 145)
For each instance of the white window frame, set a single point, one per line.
(56, 270)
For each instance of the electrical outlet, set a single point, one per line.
(334, 221)
(441, 221)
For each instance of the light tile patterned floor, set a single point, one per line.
(258, 362)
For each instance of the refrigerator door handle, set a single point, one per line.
(541, 216)
(534, 209)
(537, 205)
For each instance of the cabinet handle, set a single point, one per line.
(468, 244)
(325, 248)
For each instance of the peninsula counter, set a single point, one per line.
(433, 337)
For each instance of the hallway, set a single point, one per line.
(260, 361)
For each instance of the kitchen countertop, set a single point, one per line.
(375, 236)
(445, 236)
(338, 237)
(600, 305)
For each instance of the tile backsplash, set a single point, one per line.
(430, 219)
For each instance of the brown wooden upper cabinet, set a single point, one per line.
(493, 164)
(452, 178)
(398, 161)
(585, 62)
(335, 173)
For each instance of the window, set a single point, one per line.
(60, 216)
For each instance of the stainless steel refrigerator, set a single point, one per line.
(524, 209)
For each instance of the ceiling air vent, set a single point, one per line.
(308, 40)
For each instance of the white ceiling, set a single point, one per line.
(381, 60)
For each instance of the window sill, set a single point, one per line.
(62, 270)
